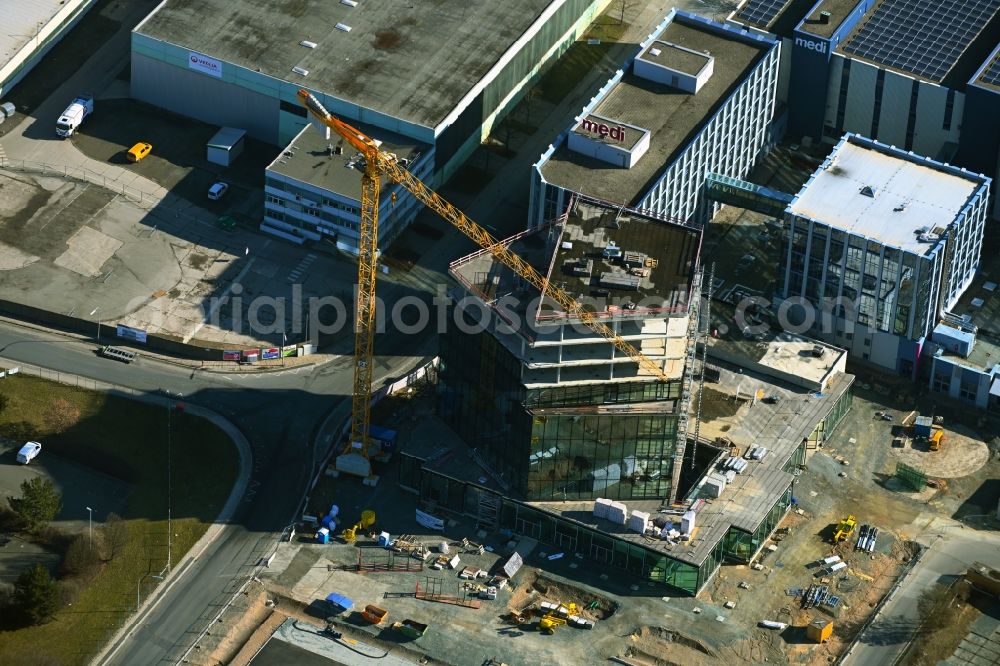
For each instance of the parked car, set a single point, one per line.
(218, 190)
(28, 452)
(138, 151)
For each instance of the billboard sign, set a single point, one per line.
(231, 355)
(290, 350)
(204, 64)
(270, 352)
(129, 333)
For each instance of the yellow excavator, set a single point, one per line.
(549, 622)
(350, 534)
(844, 529)
(556, 618)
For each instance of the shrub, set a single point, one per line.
(19, 431)
(81, 557)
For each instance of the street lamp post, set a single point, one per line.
(90, 521)
(92, 312)
(170, 528)
(138, 586)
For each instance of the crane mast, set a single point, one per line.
(356, 458)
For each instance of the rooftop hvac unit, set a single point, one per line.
(301, 71)
(349, 3)
(309, 45)
(343, 26)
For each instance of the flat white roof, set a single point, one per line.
(907, 196)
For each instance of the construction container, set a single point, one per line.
(922, 426)
(339, 603)
(714, 485)
(410, 628)
(374, 614)
(819, 630)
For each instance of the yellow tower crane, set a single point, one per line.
(355, 459)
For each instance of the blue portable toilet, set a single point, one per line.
(323, 535)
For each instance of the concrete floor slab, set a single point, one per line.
(88, 251)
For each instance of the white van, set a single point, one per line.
(28, 452)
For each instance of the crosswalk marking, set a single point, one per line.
(301, 268)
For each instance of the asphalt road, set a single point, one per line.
(280, 414)
(949, 555)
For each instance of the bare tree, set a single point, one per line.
(115, 535)
(61, 415)
(624, 5)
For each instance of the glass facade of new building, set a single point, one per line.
(893, 291)
(876, 246)
(567, 535)
(559, 443)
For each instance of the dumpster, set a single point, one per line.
(339, 602)
(374, 614)
(410, 628)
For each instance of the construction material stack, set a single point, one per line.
(602, 507)
(618, 513)
(638, 521)
(867, 536)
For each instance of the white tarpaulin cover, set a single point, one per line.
(995, 387)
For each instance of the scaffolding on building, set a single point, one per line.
(687, 381)
(704, 361)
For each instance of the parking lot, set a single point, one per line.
(80, 487)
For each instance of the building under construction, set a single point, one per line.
(553, 409)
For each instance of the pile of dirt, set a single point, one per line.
(658, 646)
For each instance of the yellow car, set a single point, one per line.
(138, 151)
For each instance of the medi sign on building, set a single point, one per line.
(602, 138)
(616, 132)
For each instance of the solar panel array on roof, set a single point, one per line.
(761, 12)
(992, 73)
(921, 37)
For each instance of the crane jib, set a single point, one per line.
(356, 455)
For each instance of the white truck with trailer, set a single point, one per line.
(73, 116)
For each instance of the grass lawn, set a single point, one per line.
(128, 440)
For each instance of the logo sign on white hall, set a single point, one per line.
(204, 64)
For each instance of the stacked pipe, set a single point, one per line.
(867, 536)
